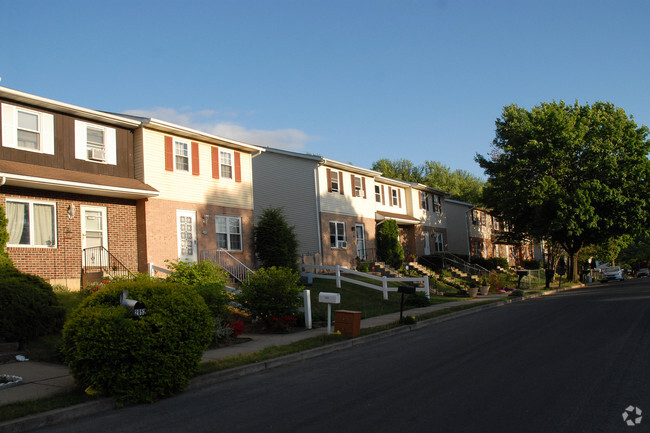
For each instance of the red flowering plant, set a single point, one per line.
(283, 323)
(237, 327)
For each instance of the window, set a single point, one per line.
(27, 129)
(225, 164)
(358, 187)
(95, 143)
(437, 206)
(483, 219)
(334, 181)
(377, 194)
(439, 242)
(96, 148)
(424, 200)
(31, 223)
(28, 133)
(181, 155)
(229, 233)
(395, 198)
(477, 249)
(337, 235)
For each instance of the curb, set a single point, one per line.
(85, 409)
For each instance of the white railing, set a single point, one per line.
(153, 269)
(228, 262)
(339, 271)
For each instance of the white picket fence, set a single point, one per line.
(338, 273)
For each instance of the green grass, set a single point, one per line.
(370, 302)
(24, 408)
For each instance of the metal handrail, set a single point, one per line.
(449, 259)
(231, 264)
(99, 259)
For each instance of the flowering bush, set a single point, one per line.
(237, 327)
(283, 323)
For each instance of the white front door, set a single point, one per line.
(94, 236)
(427, 245)
(186, 223)
(360, 233)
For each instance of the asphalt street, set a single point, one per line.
(571, 362)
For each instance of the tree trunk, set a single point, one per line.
(575, 275)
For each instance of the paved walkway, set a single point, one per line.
(43, 379)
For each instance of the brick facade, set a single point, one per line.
(346, 256)
(158, 232)
(62, 264)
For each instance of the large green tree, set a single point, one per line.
(572, 174)
(460, 184)
(276, 243)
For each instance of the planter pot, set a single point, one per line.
(473, 291)
(484, 290)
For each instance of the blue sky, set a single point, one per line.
(354, 81)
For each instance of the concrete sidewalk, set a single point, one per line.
(43, 379)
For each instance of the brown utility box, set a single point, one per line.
(348, 322)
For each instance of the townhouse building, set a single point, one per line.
(205, 202)
(336, 208)
(474, 232)
(68, 184)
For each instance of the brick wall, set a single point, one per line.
(62, 263)
(345, 256)
(158, 231)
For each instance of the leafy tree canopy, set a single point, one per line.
(276, 243)
(459, 183)
(571, 174)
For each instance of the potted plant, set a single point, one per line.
(484, 289)
(473, 289)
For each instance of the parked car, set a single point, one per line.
(643, 272)
(613, 273)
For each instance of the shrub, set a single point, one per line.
(4, 237)
(28, 306)
(194, 274)
(496, 281)
(207, 279)
(532, 264)
(276, 243)
(517, 293)
(271, 293)
(137, 359)
(388, 247)
(418, 299)
(500, 261)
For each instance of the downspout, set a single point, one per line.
(318, 216)
(469, 244)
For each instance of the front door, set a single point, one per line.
(186, 223)
(427, 245)
(94, 237)
(360, 233)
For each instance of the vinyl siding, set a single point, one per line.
(288, 182)
(186, 187)
(346, 203)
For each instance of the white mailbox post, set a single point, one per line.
(329, 299)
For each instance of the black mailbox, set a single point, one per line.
(137, 308)
(406, 290)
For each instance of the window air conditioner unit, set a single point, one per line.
(343, 244)
(97, 155)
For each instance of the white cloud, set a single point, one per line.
(207, 121)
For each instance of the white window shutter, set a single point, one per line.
(110, 143)
(80, 140)
(9, 133)
(47, 134)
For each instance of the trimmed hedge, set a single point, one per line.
(137, 359)
(271, 293)
(28, 306)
